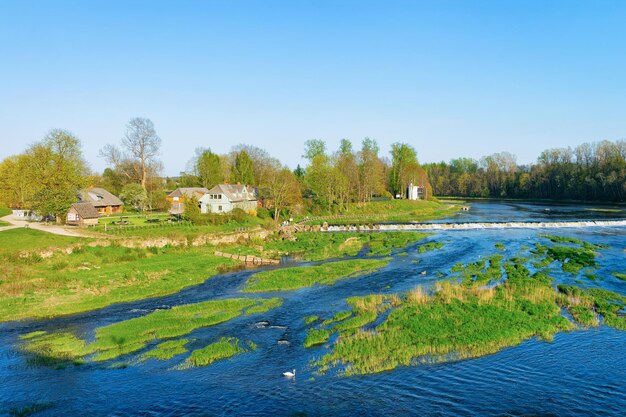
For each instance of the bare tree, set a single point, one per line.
(141, 145)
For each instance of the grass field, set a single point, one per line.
(17, 240)
(287, 279)
(94, 277)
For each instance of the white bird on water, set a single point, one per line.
(290, 374)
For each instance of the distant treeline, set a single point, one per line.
(591, 171)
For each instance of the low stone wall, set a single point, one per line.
(248, 259)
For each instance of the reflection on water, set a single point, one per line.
(579, 373)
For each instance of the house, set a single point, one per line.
(82, 214)
(415, 192)
(223, 198)
(177, 197)
(105, 202)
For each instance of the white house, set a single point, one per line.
(223, 198)
(415, 192)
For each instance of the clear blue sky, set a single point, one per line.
(452, 78)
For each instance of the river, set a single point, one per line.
(581, 372)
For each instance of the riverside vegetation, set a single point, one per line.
(481, 308)
(89, 277)
(136, 334)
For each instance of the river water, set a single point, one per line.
(582, 372)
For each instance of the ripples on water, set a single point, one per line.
(580, 373)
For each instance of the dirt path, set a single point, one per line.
(50, 228)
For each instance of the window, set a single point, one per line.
(175, 199)
(219, 208)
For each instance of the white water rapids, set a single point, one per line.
(473, 226)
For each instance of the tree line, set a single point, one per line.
(591, 171)
(47, 176)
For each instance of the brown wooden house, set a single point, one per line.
(105, 202)
(82, 214)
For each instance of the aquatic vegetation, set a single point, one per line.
(619, 275)
(342, 315)
(133, 335)
(605, 303)
(572, 259)
(481, 272)
(264, 306)
(500, 246)
(316, 337)
(429, 246)
(455, 321)
(225, 348)
(167, 350)
(314, 246)
(575, 241)
(287, 279)
(310, 319)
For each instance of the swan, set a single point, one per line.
(290, 374)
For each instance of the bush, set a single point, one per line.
(238, 215)
(263, 213)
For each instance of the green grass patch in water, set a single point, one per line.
(225, 348)
(619, 276)
(287, 279)
(132, 335)
(430, 246)
(167, 350)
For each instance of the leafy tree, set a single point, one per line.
(135, 196)
(314, 148)
(283, 191)
(242, 170)
(16, 185)
(208, 168)
(57, 171)
(192, 210)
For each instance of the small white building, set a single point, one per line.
(414, 192)
(223, 198)
(25, 214)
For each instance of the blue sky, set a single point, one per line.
(452, 78)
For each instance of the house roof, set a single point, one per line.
(235, 192)
(188, 192)
(86, 210)
(98, 197)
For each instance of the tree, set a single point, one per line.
(135, 196)
(371, 171)
(16, 185)
(242, 170)
(283, 190)
(138, 162)
(404, 167)
(192, 210)
(57, 170)
(313, 148)
(208, 168)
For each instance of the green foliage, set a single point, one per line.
(287, 279)
(192, 210)
(135, 196)
(262, 213)
(225, 348)
(57, 171)
(310, 319)
(97, 277)
(316, 337)
(208, 168)
(166, 350)
(243, 170)
(456, 322)
(133, 335)
(500, 246)
(619, 275)
(427, 247)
